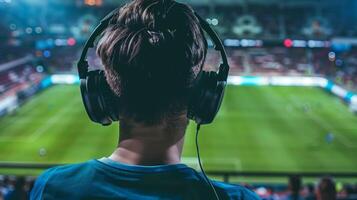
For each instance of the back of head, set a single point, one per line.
(152, 52)
(326, 189)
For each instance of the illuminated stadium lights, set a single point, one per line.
(339, 62)
(251, 43)
(214, 21)
(306, 43)
(28, 30)
(246, 43)
(318, 44)
(38, 30)
(93, 2)
(71, 41)
(243, 43)
(12, 27)
(288, 43)
(231, 43)
(47, 54)
(39, 68)
(61, 42)
(332, 56)
(299, 43)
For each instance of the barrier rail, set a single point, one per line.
(227, 174)
(224, 174)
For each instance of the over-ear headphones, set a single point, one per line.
(103, 106)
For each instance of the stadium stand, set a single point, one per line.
(18, 76)
(19, 185)
(266, 22)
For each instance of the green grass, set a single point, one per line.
(257, 129)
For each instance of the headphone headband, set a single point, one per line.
(104, 23)
(82, 63)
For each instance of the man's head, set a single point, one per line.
(326, 190)
(152, 52)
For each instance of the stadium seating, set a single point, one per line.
(9, 184)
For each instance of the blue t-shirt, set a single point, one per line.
(108, 179)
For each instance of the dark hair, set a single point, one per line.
(327, 189)
(152, 52)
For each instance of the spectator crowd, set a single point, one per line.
(18, 188)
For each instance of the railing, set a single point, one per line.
(226, 175)
(16, 165)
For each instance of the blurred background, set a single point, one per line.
(288, 117)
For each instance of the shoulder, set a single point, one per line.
(232, 191)
(69, 171)
(60, 177)
(40, 184)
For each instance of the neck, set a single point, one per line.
(159, 144)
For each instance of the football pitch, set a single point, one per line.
(282, 129)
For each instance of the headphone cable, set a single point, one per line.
(199, 162)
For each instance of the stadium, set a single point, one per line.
(289, 109)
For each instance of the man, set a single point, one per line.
(326, 189)
(152, 52)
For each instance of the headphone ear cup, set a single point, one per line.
(98, 99)
(108, 100)
(206, 97)
(86, 100)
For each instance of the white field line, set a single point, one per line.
(42, 129)
(49, 123)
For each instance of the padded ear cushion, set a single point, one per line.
(206, 98)
(108, 100)
(94, 104)
(86, 101)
